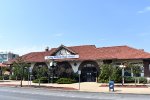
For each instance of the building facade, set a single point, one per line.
(88, 59)
(6, 56)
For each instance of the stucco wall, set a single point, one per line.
(75, 66)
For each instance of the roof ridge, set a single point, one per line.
(81, 46)
(31, 53)
(126, 46)
(138, 49)
(114, 46)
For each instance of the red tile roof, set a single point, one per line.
(3, 65)
(123, 52)
(90, 52)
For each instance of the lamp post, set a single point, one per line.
(30, 75)
(79, 72)
(52, 65)
(122, 66)
(49, 74)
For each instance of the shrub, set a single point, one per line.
(1, 77)
(35, 81)
(143, 80)
(42, 80)
(75, 76)
(12, 77)
(65, 81)
(54, 80)
(129, 79)
(6, 77)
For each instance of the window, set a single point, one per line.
(5, 56)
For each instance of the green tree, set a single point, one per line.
(41, 72)
(106, 73)
(16, 71)
(116, 74)
(19, 66)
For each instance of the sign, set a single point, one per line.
(79, 72)
(61, 57)
(30, 69)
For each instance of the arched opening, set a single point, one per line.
(63, 70)
(89, 71)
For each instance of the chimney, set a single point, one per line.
(47, 49)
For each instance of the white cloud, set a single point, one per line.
(59, 34)
(146, 9)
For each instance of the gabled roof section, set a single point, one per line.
(123, 52)
(62, 47)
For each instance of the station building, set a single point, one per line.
(89, 58)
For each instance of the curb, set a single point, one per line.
(66, 89)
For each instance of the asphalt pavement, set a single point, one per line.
(13, 93)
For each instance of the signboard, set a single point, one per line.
(79, 72)
(61, 57)
(30, 69)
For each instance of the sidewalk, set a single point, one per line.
(87, 87)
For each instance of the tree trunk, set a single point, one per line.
(39, 82)
(138, 80)
(21, 81)
(22, 76)
(16, 78)
(135, 80)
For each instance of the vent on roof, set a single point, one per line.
(141, 49)
(47, 49)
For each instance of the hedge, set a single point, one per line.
(1, 78)
(42, 80)
(65, 81)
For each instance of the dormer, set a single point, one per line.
(62, 51)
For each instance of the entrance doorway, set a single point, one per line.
(89, 71)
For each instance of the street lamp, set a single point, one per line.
(49, 73)
(30, 74)
(52, 65)
(79, 72)
(122, 66)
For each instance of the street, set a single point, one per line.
(12, 93)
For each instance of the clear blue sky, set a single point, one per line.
(31, 25)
